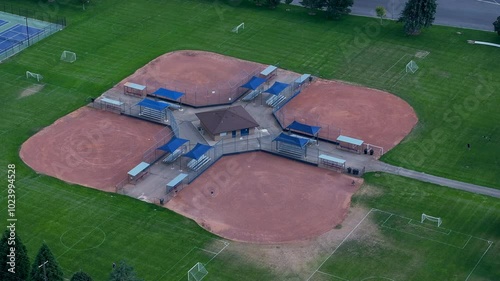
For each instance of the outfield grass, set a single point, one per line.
(114, 38)
(391, 242)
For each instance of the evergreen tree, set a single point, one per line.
(335, 9)
(496, 24)
(418, 14)
(81, 276)
(50, 270)
(123, 272)
(19, 269)
(313, 5)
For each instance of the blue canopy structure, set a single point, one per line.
(156, 105)
(304, 128)
(173, 144)
(169, 94)
(198, 151)
(276, 88)
(254, 83)
(300, 142)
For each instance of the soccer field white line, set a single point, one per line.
(338, 246)
(419, 224)
(331, 275)
(468, 276)
(226, 244)
(383, 74)
(409, 222)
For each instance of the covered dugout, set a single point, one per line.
(134, 89)
(350, 144)
(291, 146)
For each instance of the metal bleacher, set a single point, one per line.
(309, 140)
(152, 114)
(250, 96)
(275, 100)
(195, 165)
(172, 157)
(290, 150)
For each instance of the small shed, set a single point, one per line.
(134, 89)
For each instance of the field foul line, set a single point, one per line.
(468, 276)
(342, 242)
(334, 276)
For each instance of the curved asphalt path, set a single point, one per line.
(472, 14)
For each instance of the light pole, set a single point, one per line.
(27, 30)
(44, 272)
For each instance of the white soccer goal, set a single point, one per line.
(197, 272)
(411, 67)
(68, 56)
(38, 77)
(240, 26)
(431, 218)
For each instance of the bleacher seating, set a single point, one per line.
(173, 156)
(275, 100)
(309, 140)
(250, 96)
(152, 114)
(195, 165)
(290, 150)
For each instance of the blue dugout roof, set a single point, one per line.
(297, 126)
(254, 83)
(198, 151)
(169, 94)
(276, 88)
(156, 105)
(300, 142)
(173, 144)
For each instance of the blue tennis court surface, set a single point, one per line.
(16, 35)
(2, 22)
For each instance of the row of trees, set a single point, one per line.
(416, 15)
(45, 266)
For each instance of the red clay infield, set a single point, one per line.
(377, 117)
(205, 78)
(90, 147)
(259, 197)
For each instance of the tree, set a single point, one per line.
(45, 266)
(19, 269)
(288, 2)
(123, 272)
(312, 5)
(335, 9)
(81, 276)
(380, 10)
(496, 24)
(273, 3)
(418, 14)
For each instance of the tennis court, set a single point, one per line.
(15, 35)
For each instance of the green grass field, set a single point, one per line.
(452, 93)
